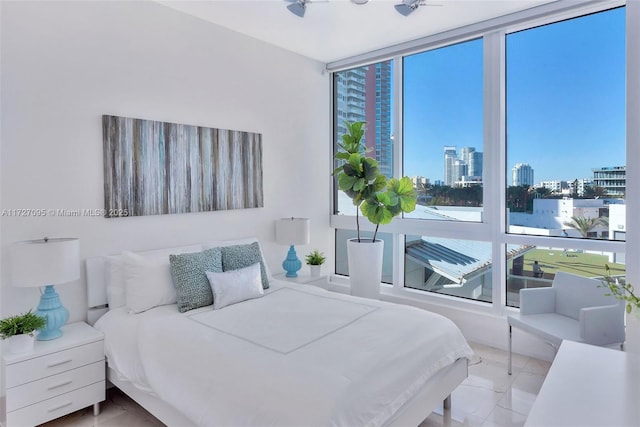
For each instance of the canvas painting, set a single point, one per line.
(153, 167)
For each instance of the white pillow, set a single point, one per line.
(235, 286)
(115, 283)
(147, 282)
(116, 296)
(243, 241)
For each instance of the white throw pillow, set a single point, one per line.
(235, 286)
(147, 282)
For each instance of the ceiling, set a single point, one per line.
(338, 29)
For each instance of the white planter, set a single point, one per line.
(20, 344)
(365, 267)
(315, 270)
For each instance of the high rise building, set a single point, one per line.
(450, 156)
(475, 164)
(350, 97)
(522, 174)
(364, 94)
(466, 167)
(378, 115)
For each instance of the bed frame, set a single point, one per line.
(438, 389)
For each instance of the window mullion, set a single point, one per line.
(398, 239)
(494, 171)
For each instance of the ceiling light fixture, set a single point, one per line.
(407, 7)
(359, 1)
(298, 8)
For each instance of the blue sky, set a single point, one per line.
(565, 99)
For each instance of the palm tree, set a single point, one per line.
(584, 225)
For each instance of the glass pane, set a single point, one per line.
(566, 128)
(460, 268)
(365, 94)
(342, 266)
(443, 131)
(536, 266)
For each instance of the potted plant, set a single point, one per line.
(19, 331)
(378, 199)
(315, 260)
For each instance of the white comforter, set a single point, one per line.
(297, 356)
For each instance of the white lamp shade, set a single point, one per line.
(45, 262)
(292, 231)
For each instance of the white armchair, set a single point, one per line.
(574, 308)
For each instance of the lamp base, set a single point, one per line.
(292, 264)
(52, 309)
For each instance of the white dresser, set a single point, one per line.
(59, 377)
(589, 386)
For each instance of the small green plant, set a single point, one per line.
(622, 291)
(315, 258)
(26, 323)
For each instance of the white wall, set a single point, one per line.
(65, 64)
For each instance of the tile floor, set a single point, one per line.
(488, 397)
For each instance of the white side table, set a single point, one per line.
(304, 278)
(59, 377)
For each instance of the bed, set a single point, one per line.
(296, 355)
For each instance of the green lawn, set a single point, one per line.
(582, 264)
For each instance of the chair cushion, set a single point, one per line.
(551, 327)
(576, 292)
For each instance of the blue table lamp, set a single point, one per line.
(292, 231)
(47, 262)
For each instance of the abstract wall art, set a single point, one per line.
(153, 167)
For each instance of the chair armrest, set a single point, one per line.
(537, 300)
(602, 325)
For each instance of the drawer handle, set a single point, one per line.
(59, 406)
(51, 387)
(62, 362)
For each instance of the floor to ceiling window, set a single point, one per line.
(515, 141)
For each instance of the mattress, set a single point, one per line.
(300, 355)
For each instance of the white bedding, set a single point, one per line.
(297, 356)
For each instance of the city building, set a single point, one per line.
(555, 186)
(450, 156)
(378, 115)
(522, 174)
(612, 178)
(419, 181)
(462, 169)
(364, 94)
(350, 98)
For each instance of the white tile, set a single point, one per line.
(447, 419)
(528, 382)
(501, 417)
(497, 355)
(537, 366)
(491, 375)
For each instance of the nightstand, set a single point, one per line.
(304, 278)
(59, 377)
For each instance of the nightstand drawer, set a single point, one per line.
(46, 388)
(53, 363)
(57, 406)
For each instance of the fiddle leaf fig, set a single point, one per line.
(403, 188)
(359, 178)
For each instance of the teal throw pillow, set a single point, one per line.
(240, 256)
(190, 279)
